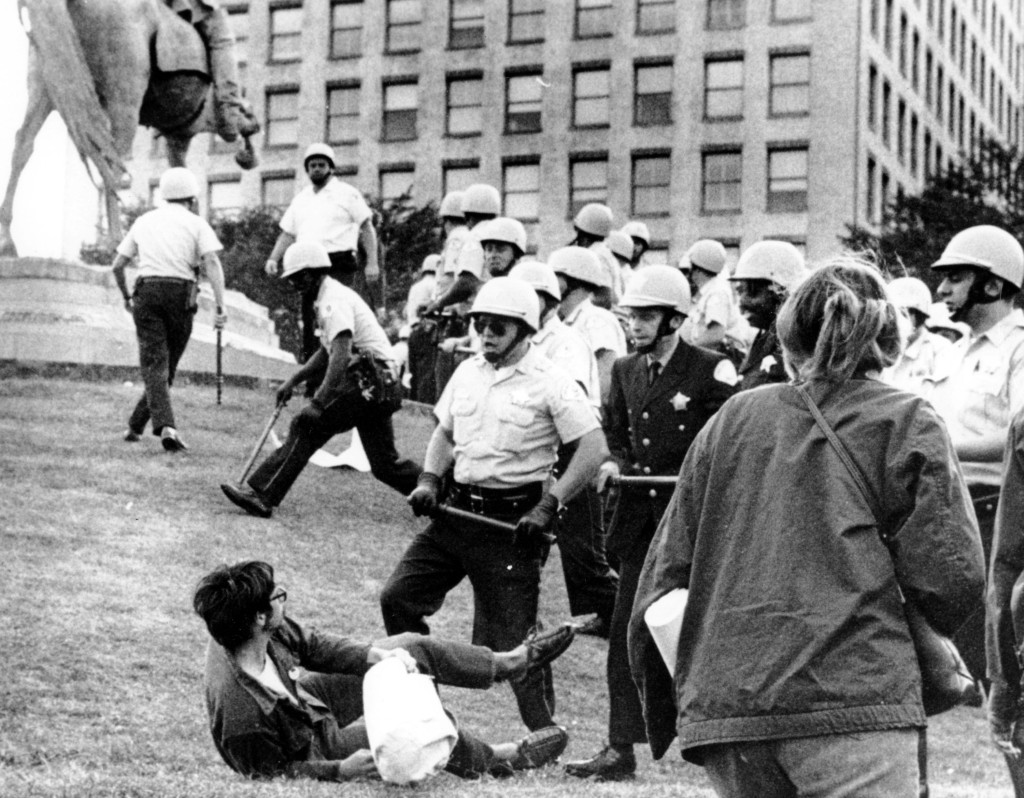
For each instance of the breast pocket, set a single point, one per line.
(514, 427)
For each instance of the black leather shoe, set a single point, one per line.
(609, 765)
(543, 648)
(249, 500)
(171, 441)
(598, 626)
(541, 747)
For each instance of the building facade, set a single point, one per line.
(732, 119)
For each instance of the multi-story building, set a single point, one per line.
(733, 119)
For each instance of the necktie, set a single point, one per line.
(654, 371)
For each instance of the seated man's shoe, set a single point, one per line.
(598, 626)
(540, 748)
(131, 436)
(609, 765)
(543, 648)
(248, 499)
(170, 440)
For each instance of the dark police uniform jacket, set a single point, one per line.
(763, 363)
(650, 428)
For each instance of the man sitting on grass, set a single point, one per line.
(268, 720)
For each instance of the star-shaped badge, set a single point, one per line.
(768, 362)
(680, 401)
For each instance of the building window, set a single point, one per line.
(591, 95)
(277, 190)
(343, 113)
(465, 110)
(286, 33)
(901, 131)
(652, 103)
(521, 186)
(874, 19)
(588, 182)
(790, 85)
(915, 61)
(655, 16)
(466, 24)
(593, 18)
(887, 29)
(522, 103)
(872, 97)
(282, 128)
(238, 23)
(790, 10)
(403, 25)
(726, 14)
(721, 180)
(460, 176)
(399, 112)
(787, 179)
(723, 89)
(525, 21)
(902, 55)
(871, 197)
(886, 118)
(224, 195)
(651, 179)
(914, 161)
(346, 28)
(396, 182)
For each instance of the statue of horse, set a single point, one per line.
(148, 67)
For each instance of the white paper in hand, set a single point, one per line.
(665, 619)
(411, 736)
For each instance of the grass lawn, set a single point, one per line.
(100, 693)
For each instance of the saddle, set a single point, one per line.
(180, 80)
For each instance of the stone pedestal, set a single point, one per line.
(59, 311)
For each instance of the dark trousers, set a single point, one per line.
(589, 581)
(970, 639)
(423, 340)
(457, 664)
(506, 591)
(163, 325)
(625, 715)
(278, 472)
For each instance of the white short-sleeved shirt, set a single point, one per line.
(568, 350)
(331, 216)
(507, 423)
(340, 309)
(169, 241)
(917, 363)
(471, 255)
(420, 293)
(599, 328)
(978, 386)
(453, 244)
(716, 304)
(611, 269)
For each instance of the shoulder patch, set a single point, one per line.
(725, 372)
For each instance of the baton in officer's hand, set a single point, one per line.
(483, 520)
(263, 439)
(645, 482)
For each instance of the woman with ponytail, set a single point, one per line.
(795, 671)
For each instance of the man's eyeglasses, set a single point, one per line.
(497, 325)
(281, 595)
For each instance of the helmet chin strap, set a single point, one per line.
(497, 359)
(975, 296)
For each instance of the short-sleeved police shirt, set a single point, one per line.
(978, 387)
(340, 309)
(507, 423)
(331, 216)
(568, 350)
(169, 241)
(599, 328)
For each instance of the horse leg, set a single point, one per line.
(177, 148)
(38, 109)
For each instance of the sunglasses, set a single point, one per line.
(497, 326)
(280, 595)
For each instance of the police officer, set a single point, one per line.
(480, 204)
(171, 244)
(764, 276)
(923, 347)
(580, 275)
(333, 213)
(978, 384)
(641, 240)
(422, 333)
(500, 421)
(504, 243)
(358, 388)
(589, 581)
(716, 322)
(661, 396)
(453, 225)
(591, 226)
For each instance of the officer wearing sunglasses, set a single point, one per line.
(501, 419)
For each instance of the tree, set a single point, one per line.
(407, 234)
(984, 189)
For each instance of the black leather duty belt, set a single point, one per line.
(495, 501)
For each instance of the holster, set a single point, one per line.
(376, 381)
(192, 303)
